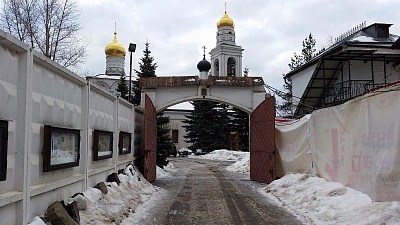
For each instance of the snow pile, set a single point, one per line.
(37, 221)
(241, 166)
(224, 155)
(322, 202)
(161, 173)
(119, 203)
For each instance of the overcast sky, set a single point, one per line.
(269, 31)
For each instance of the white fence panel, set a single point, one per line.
(34, 92)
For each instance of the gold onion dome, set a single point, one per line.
(115, 48)
(225, 21)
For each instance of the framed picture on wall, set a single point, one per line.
(125, 140)
(102, 144)
(61, 148)
(3, 149)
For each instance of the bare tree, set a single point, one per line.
(50, 26)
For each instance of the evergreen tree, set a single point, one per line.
(240, 124)
(207, 126)
(307, 53)
(296, 61)
(147, 68)
(308, 50)
(286, 107)
(164, 142)
(123, 87)
(136, 92)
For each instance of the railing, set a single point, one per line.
(345, 91)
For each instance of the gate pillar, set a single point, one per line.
(262, 142)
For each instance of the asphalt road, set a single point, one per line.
(203, 192)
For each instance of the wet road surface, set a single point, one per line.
(203, 192)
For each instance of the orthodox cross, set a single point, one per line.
(204, 51)
(225, 7)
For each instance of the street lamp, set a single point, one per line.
(132, 48)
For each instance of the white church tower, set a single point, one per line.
(226, 57)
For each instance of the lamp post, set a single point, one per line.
(132, 48)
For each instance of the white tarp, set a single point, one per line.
(356, 144)
(292, 143)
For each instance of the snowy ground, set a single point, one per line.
(312, 199)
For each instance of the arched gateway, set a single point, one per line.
(246, 93)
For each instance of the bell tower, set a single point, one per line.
(226, 57)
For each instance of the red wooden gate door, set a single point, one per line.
(150, 140)
(262, 142)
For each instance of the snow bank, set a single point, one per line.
(37, 221)
(223, 155)
(161, 173)
(241, 166)
(322, 202)
(120, 201)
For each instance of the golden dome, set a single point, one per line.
(225, 21)
(115, 48)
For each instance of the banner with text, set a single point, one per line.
(357, 144)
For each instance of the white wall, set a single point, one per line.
(35, 92)
(300, 81)
(176, 117)
(362, 71)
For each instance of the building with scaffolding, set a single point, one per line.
(362, 59)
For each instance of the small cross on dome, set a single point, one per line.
(204, 51)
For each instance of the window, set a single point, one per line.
(60, 148)
(125, 140)
(175, 136)
(102, 145)
(3, 149)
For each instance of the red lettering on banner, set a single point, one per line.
(333, 171)
(378, 139)
(356, 163)
(286, 147)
